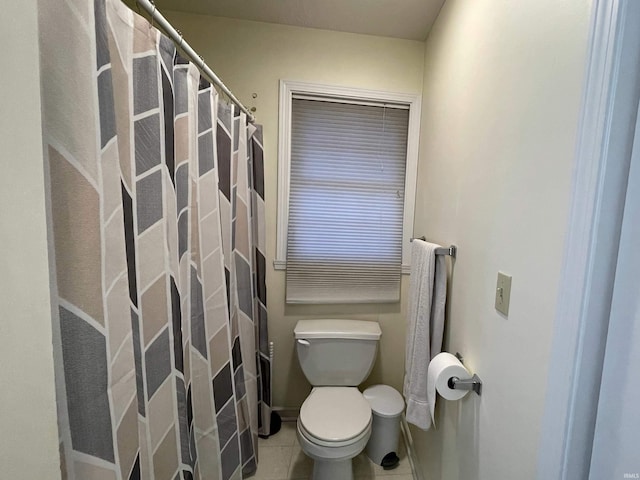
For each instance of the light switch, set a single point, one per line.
(503, 293)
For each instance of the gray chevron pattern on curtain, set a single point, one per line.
(157, 232)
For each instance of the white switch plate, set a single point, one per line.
(503, 293)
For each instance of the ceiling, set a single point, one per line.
(409, 19)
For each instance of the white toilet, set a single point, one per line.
(335, 420)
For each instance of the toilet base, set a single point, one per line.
(332, 470)
(333, 462)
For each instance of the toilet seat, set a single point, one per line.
(335, 416)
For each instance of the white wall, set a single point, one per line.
(501, 102)
(28, 426)
(252, 57)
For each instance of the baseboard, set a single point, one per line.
(411, 452)
(287, 414)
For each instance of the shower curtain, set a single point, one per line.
(156, 209)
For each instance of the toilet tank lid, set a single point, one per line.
(337, 328)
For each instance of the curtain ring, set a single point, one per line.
(181, 38)
(153, 13)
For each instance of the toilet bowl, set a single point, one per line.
(333, 427)
(335, 419)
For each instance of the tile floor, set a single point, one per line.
(280, 458)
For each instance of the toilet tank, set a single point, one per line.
(336, 352)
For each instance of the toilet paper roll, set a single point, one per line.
(441, 368)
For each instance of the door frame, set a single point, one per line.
(611, 92)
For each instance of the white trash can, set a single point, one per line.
(387, 406)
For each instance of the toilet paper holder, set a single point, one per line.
(474, 383)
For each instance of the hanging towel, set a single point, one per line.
(427, 297)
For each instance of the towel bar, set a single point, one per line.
(450, 250)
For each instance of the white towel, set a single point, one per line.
(427, 297)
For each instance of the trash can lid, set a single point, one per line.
(385, 401)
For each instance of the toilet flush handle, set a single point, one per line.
(304, 342)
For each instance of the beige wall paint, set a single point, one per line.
(252, 57)
(501, 103)
(28, 425)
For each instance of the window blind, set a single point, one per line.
(346, 202)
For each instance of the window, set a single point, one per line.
(347, 168)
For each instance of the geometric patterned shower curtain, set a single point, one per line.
(157, 243)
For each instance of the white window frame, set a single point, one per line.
(288, 89)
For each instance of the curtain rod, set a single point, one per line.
(177, 37)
